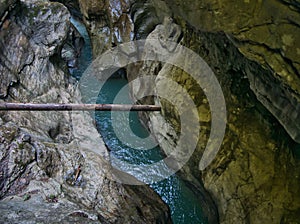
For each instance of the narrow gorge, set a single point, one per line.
(55, 167)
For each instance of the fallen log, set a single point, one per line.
(70, 107)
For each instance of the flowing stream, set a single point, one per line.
(184, 205)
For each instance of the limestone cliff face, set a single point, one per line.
(48, 171)
(251, 48)
(266, 32)
(107, 22)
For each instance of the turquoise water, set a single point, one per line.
(184, 205)
(86, 56)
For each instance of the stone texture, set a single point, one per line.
(5, 7)
(255, 175)
(107, 22)
(266, 32)
(18, 210)
(72, 49)
(49, 169)
(44, 173)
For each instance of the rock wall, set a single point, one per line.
(255, 175)
(108, 23)
(49, 171)
(266, 32)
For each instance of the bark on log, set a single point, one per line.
(70, 107)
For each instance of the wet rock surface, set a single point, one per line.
(108, 23)
(36, 210)
(255, 175)
(49, 170)
(72, 49)
(266, 32)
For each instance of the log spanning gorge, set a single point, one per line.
(183, 201)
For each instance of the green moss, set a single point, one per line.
(21, 145)
(26, 197)
(52, 198)
(8, 133)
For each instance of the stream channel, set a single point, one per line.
(183, 202)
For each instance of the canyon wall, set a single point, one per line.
(253, 49)
(107, 21)
(49, 171)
